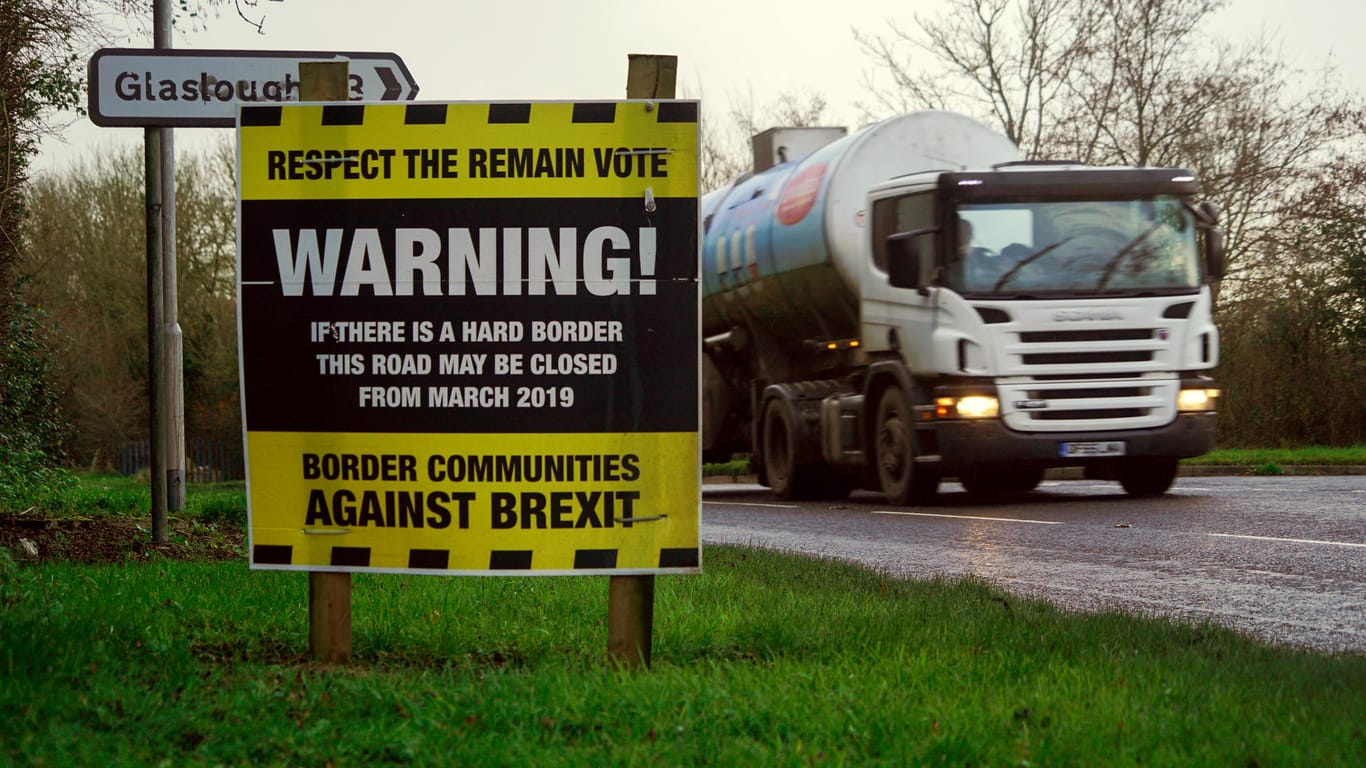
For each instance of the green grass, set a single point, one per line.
(1261, 457)
(731, 469)
(110, 495)
(765, 659)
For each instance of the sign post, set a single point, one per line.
(329, 592)
(631, 599)
(469, 337)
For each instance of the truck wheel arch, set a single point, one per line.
(918, 484)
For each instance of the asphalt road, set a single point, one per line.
(1283, 558)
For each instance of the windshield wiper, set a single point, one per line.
(1026, 262)
(1114, 261)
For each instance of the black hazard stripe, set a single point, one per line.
(425, 114)
(683, 557)
(272, 554)
(429, 559)
(343, 114)
(266, 116)
(261, 116)
(510, 560)
(678, 112)
(588, 559)
(509, 114)
(595, 112)
(499, 559)
(355, 557)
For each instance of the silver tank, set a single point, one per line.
(782, 249)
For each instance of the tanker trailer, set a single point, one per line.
(913, 302)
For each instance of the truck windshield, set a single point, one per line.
(1075, 247)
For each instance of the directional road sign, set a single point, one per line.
(188, 87)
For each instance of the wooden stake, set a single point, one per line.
(631, 599)
(630, 619)
(329, 594)
(329, 616)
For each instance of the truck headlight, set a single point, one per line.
(1194, 400)
(968, 407)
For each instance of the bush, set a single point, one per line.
(32, 427)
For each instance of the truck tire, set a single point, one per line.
(1151, 477)
(894, 449)
(785, 477)
(780, 452)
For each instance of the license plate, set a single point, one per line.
(1097, 448)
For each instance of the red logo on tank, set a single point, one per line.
(799, 194)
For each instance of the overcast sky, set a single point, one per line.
(729, 50)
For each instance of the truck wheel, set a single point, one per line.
(780, 454)
(894, 445)
(1147, 478)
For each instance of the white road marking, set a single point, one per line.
(751, 504)
(1293, 541)
(967, 517)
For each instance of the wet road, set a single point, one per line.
(1283, 558)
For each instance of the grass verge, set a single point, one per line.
(765, 659)
(98, 496)
(1260, 457)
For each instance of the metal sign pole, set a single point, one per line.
(156, 411)
(159, 197)
(172, 358)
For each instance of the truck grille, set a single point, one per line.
(1107, 334)
(1051, 405)
(1086, 358)
(1085, 353)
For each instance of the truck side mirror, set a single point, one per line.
(1210, 210)
(904, 259)
(1215, 263)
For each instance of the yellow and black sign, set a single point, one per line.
(469, 336)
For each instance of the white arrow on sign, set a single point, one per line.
(187, 87)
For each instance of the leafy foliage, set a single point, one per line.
(32, 428)
(85, 259)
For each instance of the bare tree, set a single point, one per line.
(1136, 82)
(726, 151)
(1003, 60)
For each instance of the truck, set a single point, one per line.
(914, 302)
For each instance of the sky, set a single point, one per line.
(729, 51)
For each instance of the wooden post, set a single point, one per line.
(631, 599)
(329, 594)
(650, 76)
(323, 80)
(329, 616)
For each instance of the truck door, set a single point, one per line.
(900, 317)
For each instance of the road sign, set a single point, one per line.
(469, 336)
(187, 87)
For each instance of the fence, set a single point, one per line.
(206, 461)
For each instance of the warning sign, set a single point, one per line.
(469, 336)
